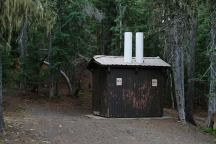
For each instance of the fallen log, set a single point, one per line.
(66, 78)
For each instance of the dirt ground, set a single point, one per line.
(39, 121)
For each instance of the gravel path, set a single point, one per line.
(76, 128)
(57, 125)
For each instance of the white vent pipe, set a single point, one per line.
(139, 47)
(128, 47)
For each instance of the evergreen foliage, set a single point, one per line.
(63, 32)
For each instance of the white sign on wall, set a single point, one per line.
(154, 82)
(119, 81)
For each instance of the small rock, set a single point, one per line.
(47, 142)
(16, 140)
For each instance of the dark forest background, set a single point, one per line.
(45, 41)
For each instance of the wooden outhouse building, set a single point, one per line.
(128, 90)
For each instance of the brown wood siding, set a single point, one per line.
(99, 102)
(136, 97)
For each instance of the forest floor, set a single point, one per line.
(31, 120)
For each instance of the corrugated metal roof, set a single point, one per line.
(119, 61)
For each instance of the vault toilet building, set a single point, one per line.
(126, 87)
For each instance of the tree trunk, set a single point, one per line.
(2, 124)
(23, 39)
(191, 72)
(120, 28)
(102, 39)
(53, 92)
(172, 90)
(178, 68)
(212, 90)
